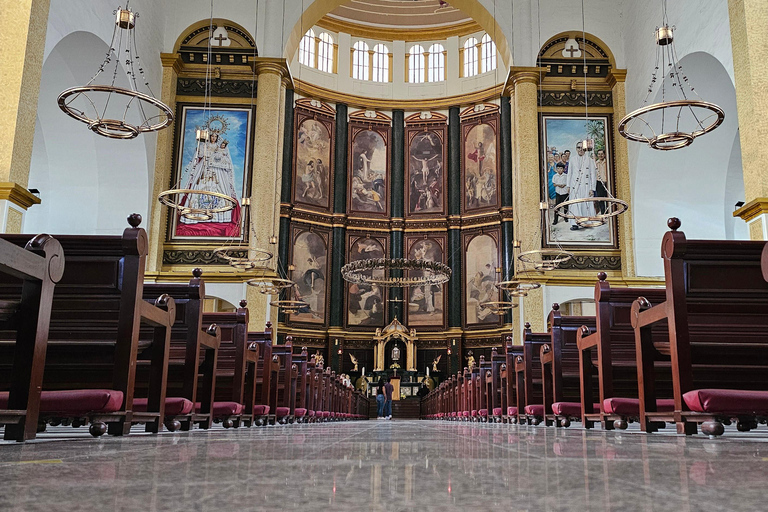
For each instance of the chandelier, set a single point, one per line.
(106, 108)
(498, 307)
(682, 115)
(381, 272)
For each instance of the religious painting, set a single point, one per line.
(309, 256)
(313, 154)
(369, 170)
(366, 304)
(571, 171)
(425, 163)
(482, 258)
(425, 304)
(480, 162)
(216, 165)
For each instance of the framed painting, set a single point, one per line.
(366, 304)
(313, 155)
(425, 160)
(426, 304)
(482, 257)
(219, 164)
(368, 178)
(309, 255)
(569, 171)
(480, 163)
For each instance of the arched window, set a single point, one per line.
(470, 57)
(307, 49)
(436, 63)
(380, 63)
(488, 53)
(416, 64)
(360, 61)
(325, 53)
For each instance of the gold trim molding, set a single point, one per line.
(521, 75)
(17, 194)
(752, 209)
(387, 34)
(274, 66)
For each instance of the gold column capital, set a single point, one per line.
(172, 60)
(615, 76)
(17, 194)
(521, 75)
(752, 209)
(271, 65)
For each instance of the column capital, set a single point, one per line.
(17, 194)
(752, 209)
(523, 74)
(271, 65)
(172, 60)
(615, 76)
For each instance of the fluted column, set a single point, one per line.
(172, 65)
(523, 88)
(749, 40)
(398, 202)
(339, 209)
(266, 175)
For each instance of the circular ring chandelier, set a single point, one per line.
(612, 207)
(670, 124)
(498, 307)
(270, 285)
(517, 287)
(218, 203)
(289, 306)
(96, 106)
(544, 259)
(379, 272)
(229, 253)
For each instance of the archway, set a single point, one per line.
(88, 184)
(698, 184)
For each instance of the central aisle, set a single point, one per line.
(382, 465)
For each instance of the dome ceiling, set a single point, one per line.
(399, 14)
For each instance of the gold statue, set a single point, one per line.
(354, 362)
(471, 361)
(434, 363)
(319, 359)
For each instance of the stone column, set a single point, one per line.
(23, 25)
(397, 202)
(749, 41)
(172, 66)
(616, 80)
(523, 88)
(266, 177)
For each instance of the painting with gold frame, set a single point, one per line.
(480, 167)
(369, 169)
(366, 305)
(309, 255)
(481, 248)
(426, 305)
(313, 142)
(425, 160)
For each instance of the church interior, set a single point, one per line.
(383, 254)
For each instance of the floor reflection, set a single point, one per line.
(387, 466)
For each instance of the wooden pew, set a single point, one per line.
(283, 387)
(193, 354)
(266, 370)
(560, 367)
(715, 310)
(40, 265)
(530, 403)
(613, 344)
(496, 386)
(515, 394)
(93, 339)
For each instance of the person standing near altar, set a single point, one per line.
(388, 389)
(582, 180)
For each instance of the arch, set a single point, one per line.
(243, 37)
(698, 184)
(472, 8)
(600, 49)
(88, 184)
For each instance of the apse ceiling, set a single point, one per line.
(399, 14)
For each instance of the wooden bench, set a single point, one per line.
(715, 311)
(530, 402)
(266, 371)
(93, 339)
(560, 373)
(40, 265)
(515, 395)
(613, 346)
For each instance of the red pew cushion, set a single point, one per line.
(76, 401)
(482, 412)
(465, 414)
(310, 413)
(497, 411)
(473, 413)
(631, 406)
(570, 408)
(535, 410)
(282, 411)
(511, 411)
(174, 406)
(223, 408)
(260, 410)
(727, 401)
(300, 412)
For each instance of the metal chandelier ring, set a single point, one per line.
(198, 214)
(680, 139)
(545, 259)
(614, 208)
(432, 272)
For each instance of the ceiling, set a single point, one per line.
(399, 14)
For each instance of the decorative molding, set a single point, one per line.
(17, 194)
(575, 99)
(275, 66)
(222, 88)
(523, 74)
(483, 342)
(198, 257)
(752, 209)
(592, 262)
(388, 34)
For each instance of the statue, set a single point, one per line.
(471, 361)
(395, 353)
(319, 359)
(434, 363)
(354, 362)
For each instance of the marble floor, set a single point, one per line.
(386, 465)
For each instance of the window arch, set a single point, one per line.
(416, 64)
(470, 57)
(380, 63)
(307, 49)
(488, 53)
(360, 61)
(325, 52)
(436, 64)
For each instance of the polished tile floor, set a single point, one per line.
(392, 465)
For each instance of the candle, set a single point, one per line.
(427, 371)
(363, 371)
